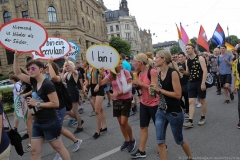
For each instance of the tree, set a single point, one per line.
(232, 39)
(175, 49)
(156, 50)
(120, 45)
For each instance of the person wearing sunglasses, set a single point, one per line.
(46, 126)
(71, 77)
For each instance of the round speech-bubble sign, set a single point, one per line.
(24, 35)
(55, 47)
(103, 56)
(74, 52)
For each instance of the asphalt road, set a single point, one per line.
(217, 139)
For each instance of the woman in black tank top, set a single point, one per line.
(169, 109)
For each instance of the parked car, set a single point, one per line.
(6, 83)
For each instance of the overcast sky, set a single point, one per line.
(160, 16)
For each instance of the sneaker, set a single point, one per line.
(226, 101)
(201, 122)
(131, 146)
(57, 157)
(92, 114)
(186, 115)
(103, 130)
(27, 149)
(198, 105)
(132, 113)
(83, 102)
(232, 96)
(71, 122)
(219, 93)
(25, 136)
(138, 154)
(109, 105)
(96, 135)
(78, 130)
(238, 126)
(188, 124)
(81, 111)
(124, 146)
(77, 145)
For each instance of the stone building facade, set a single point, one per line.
(82, 21)
(146, 39)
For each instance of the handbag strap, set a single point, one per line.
(8, 121)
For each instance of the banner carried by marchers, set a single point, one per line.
(21, 107)
(75, 50)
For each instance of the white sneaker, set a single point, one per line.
(92, 114)
(77, 145)
(57, 157)
(198, 105)
(186, 116)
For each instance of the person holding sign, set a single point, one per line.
(44, 101)
(122, 99)
(71, 78)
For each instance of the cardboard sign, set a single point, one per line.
(24, 35)
(74, 52)
(103, 56)
(54, 47)
(21, 107)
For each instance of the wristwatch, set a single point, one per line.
(38, 104)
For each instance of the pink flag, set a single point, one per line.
(185, 38)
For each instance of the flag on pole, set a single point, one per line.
(218, 36)
(202, 39)
(185, 38)
(179, 32)
(229, 46)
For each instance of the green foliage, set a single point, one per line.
(7, 96)
(5, 76)
(156, 50)
(175, 49)
(233, 40)
(120, 45)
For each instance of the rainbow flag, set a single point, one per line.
(229, 46)
(179, 32)
(184, 37)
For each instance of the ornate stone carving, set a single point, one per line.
(22, 5)
(4, 8)
(51, 2)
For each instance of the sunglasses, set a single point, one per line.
(66, 66)
(31, 69)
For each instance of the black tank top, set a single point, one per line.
(173, 104)
(195, 69)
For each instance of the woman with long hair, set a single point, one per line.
(44, 100)
(71, 78)
(148, 103)
(169, 108)
(122, 99)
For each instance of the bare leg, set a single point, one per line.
(191, 107)
(125, 128)
(77, 115)
(36, 148)
(68, 134)
(162, 151)
(108, 96)
(143, 138)
(16, 121)
(59, 147)
(29, 124)
(186, 149)
(204, 106)
(101, 117)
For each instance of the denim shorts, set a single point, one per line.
(49, 131)
(107, 88)
(61, 114)
(176, 123)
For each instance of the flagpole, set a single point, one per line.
(229, 41)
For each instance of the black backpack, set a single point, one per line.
(148, 74)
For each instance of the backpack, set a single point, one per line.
(148, 73)
(64, 95)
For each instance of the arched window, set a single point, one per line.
(83, 23)
(6, 16)
(52, 15)
(89, 26)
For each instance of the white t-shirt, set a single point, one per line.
(16, 88)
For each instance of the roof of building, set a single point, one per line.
(114, 15)
(164, 44)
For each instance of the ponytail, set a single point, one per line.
(150, 63)
(175, 66)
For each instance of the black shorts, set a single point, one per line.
(194, 90)
(146, 113)
(227, 78)
(125, 111)
(100, 92)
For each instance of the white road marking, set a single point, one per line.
(107, 154)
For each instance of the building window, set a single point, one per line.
(145, 38)
(52, 15)
(87, 44)
(6, 16)
(111, 28)
(111, 14)
(4, 0)
(146, 44)
(117, 27)
(10, 56)
(87, 9)
(128, 35)
(112, 35)
(118, 35)
(83, 23)
(25, 14)
(81, 5)
(127, 26)
(89, 26)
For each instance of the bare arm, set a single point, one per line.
(54, 77)
(187, 73)
(204, 68)
(17, 71)
(154, 80)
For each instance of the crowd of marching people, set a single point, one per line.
(167, 88)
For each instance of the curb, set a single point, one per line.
(9, 114)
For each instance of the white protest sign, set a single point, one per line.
(21, 107)
(24, 35)
(103, 56)
(74, 52)
(55, 47)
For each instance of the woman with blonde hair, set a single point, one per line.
(71, 78)
(148, 103)
(169, 109)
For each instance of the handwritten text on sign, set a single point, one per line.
(20, 107)
(54, 47)
(103, 56)
(75, 50)
(24, 35)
